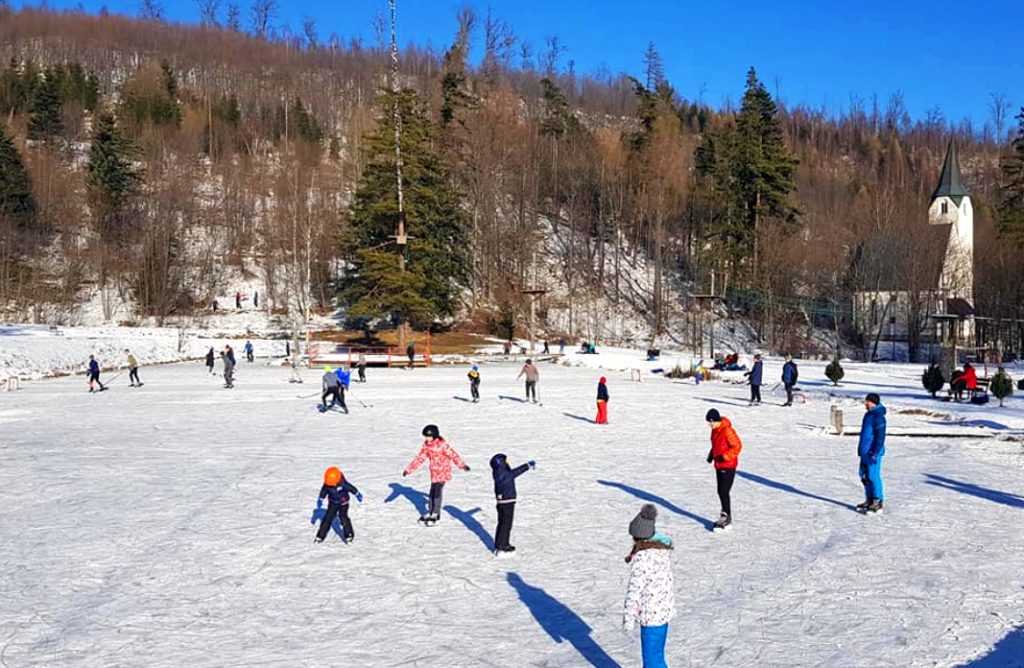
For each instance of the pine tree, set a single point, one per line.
(427, 289)
(113, 180)
(834, 371)
(1011, 208)
(1001, 385)
(16, 201)
(932, 379)
(45, 122)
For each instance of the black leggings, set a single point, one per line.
(531, 389)
(789, 393)
(133, 375)
(341, 512)
(436, 493)
(755, 393)
(725, 478)
(502, 535)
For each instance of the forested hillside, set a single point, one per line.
(150, 167)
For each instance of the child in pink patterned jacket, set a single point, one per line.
(650, 597)
(441, 457)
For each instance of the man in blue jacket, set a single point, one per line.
(871, 449)
(505, 494)
(756, 376)
(789, 377)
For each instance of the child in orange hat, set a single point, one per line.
(337, 491)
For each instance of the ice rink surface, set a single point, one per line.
(170, 525)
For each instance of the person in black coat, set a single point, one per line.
(756, 376)
(210, 359)
(790, 374)
(336, 489)
(505, 494)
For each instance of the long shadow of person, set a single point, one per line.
(664, 503)
(560, 622)
(767, 482)
(471, 523)
(414, 496)
(1005, 498)
(580, 418)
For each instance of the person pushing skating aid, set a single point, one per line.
(337, 491)
(440, 456)
(505, 495)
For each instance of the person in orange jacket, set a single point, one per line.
(725, 454)
(602, 401)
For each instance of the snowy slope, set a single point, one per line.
(170, 525)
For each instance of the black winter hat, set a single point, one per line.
(713, 416)
(499, 460)
(642, 526)
(873, 398)
(432, 431)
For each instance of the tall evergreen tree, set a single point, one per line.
(1011, 207)
(16, 202)
(45, 122)
(376, 286)
(113, 180)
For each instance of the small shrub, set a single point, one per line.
(932, 379)
(1001, 385)
(834, 371)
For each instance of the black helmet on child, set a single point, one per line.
(499, 460)
(432, 431)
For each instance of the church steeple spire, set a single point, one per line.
(950, 184)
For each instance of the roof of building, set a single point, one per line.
(950, 183)
(959, 307)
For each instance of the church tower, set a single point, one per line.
(951, 206)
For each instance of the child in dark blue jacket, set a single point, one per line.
(337, 491)
(505, 493)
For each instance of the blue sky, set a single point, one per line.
(941, 54)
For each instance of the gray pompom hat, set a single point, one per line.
(642, 526)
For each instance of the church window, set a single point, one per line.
(945, 208)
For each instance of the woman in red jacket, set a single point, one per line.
(725, 454)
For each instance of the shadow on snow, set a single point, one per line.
(753, 477)
(415, 497)
(559, 621)
(580, 418)
(1008, 653)
(664, 503)
(1005, 498)
(319, 513)
(471, 523)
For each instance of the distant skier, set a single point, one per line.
(505, 495)
(790, 374)
(725, 454)
(650, 593)
(602, 401)
(229, 368)
(210, 358)
(94, 375)
(361, 367)
(336, 489)
(440, 456)
(532, 376)
(871, 449)
(474, 383)
(248, 351)
(410, 352)
(756, 376)
(133, 369)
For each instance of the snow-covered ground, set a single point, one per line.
(170, 525)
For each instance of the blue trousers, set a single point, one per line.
(652, 645)
(871, 476)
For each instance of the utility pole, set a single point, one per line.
(400, 236)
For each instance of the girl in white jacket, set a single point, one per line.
(650, 597)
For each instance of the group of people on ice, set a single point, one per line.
(755, 378)
(93, 371)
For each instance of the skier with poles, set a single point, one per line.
(94, 375)
(505, 495)
(474, 383)
(441, 457)
(532, 376)
(336, 489)
(133, 369)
